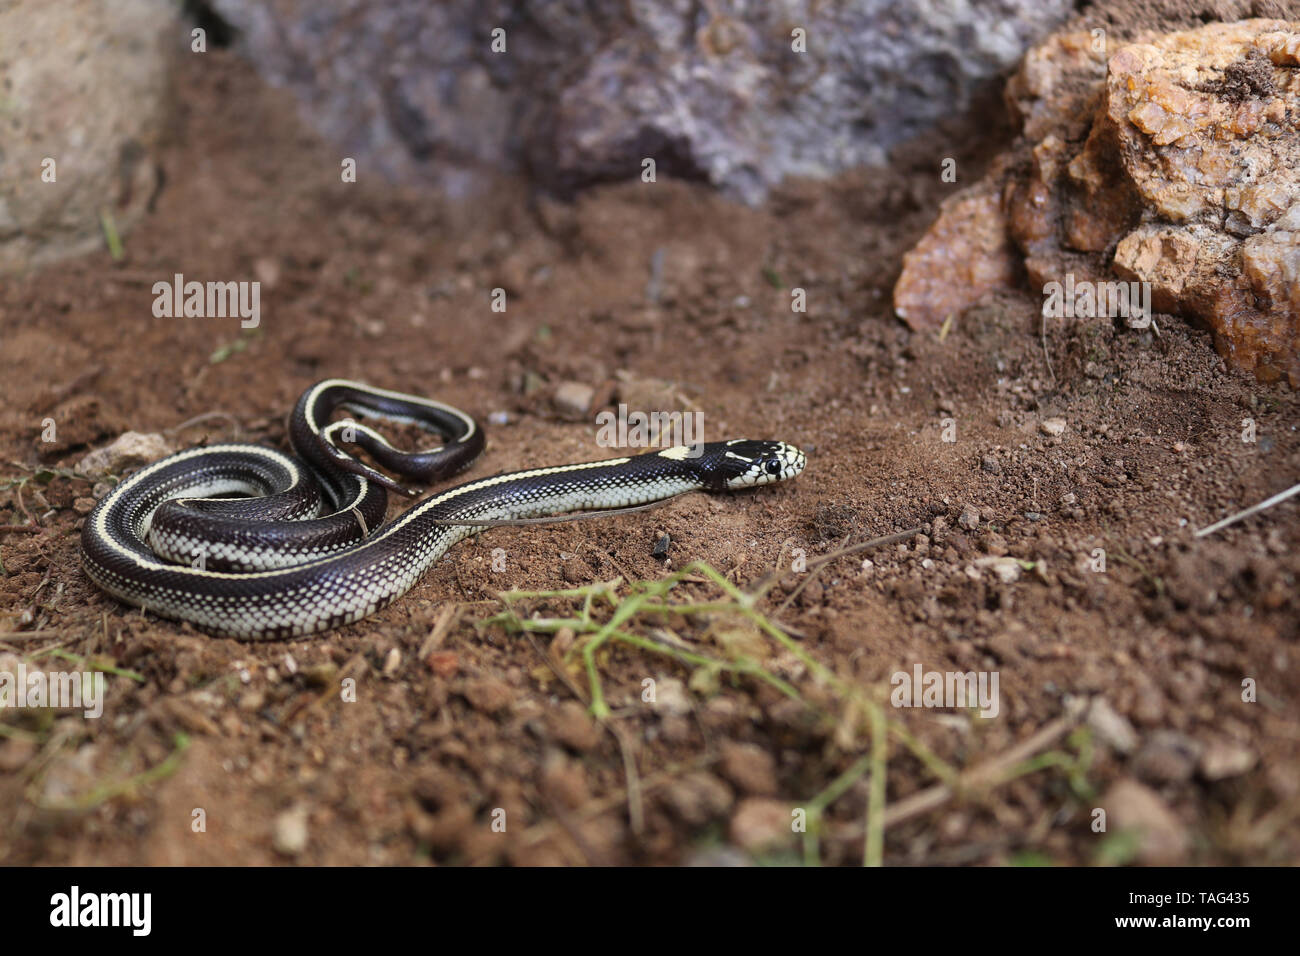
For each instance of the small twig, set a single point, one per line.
(446, 620)
(30, 635)
(1253, 509)
(22, 506)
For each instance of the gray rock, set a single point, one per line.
(573, 399)
(1167, 757)
(127, 450)
(1111, 727)
(584, 92)
(84, 85)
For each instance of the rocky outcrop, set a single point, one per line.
(741, 94)
(82, 103)
(1173, 161)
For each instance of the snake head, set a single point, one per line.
(745, 463)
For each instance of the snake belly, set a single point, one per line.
(251, 577)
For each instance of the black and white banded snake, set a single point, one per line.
(310, 553)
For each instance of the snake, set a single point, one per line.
(246, 541)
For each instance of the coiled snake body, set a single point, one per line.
(310, 553)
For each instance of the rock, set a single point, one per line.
(671, 697)
(1007, 569)
(661, 546)
(762, 825)
(750, 768)
(965, 254)
(267, 270)
(443, 663)
(70, 775)
(969, 518)
(488, 695)
(566, 782)
(1167, 757)
(437, 788)
(990, 464)
(713, 856)
(1173, 161)
(697, 798)
(1162, 839)
(84, 506)
(573, 399)
(15, 754)
(1111, 728)
(571, 725)
(1052, 427)
(741, 96)
(58, 104)
(289, 832)
(127, 451)
(1222, 759)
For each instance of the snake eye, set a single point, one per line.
(773, 466)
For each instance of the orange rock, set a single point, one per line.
(1179, 152)
(964, 255)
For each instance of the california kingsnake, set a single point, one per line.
(310, 553)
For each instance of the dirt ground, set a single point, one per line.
(393, 288)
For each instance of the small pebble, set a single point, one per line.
(1112, 728)
(573, 399)
(1222, 759)
(489, 695)
(289, 832)
(749, 768)
(571, 725)
(1162, 838)
(672, 699)
(762, 824)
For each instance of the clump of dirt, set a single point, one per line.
(1056, 481)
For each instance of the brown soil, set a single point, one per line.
(393, 289)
